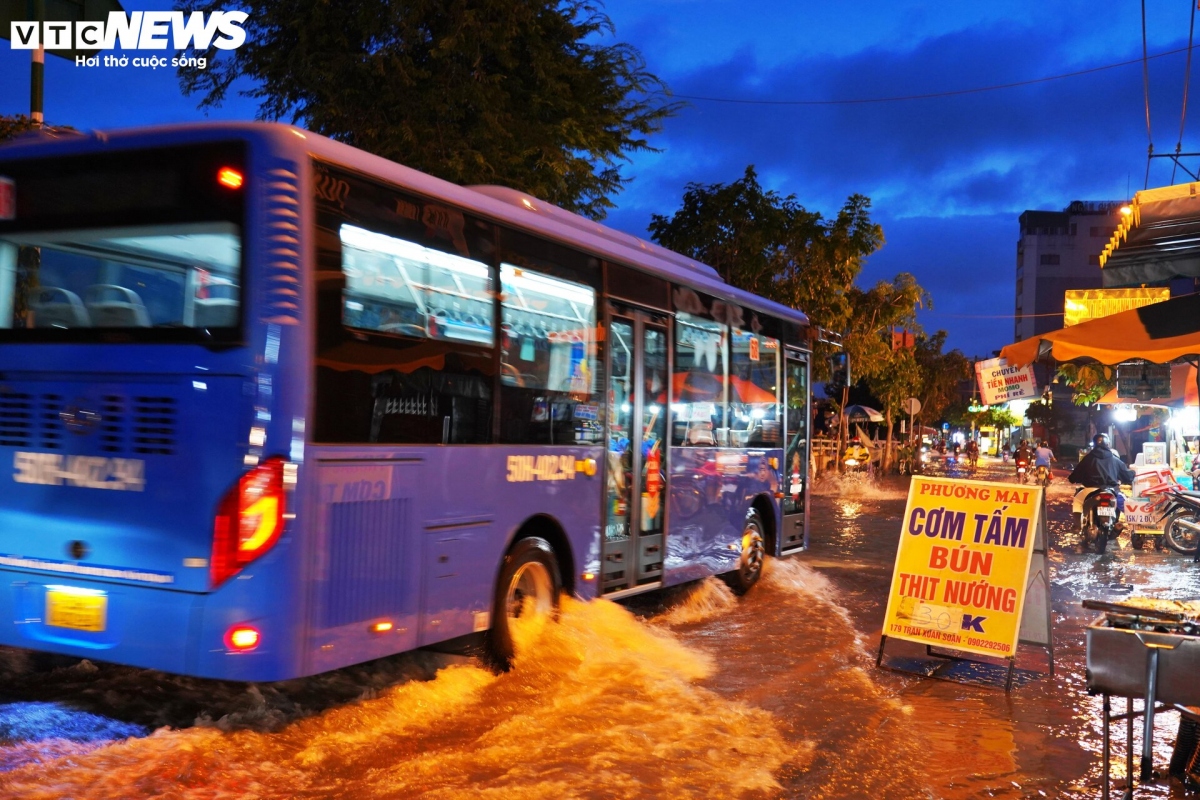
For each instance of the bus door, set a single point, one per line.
(635, 499)
(795, 466)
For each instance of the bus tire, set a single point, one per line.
(754, 553)
(530, 582)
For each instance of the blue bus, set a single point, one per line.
(273, 406)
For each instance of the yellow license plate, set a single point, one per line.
(81, 612)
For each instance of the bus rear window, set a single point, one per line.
(165, 276)
(130, 246)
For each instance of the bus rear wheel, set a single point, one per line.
(529, 586)
(754, 553)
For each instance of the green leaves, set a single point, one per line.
(771, 245)
(531, 95)
(1089, 382)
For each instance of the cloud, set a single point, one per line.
(948, 176)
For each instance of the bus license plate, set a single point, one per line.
(1106, 511)
(81, 612)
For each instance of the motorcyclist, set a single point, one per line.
(856, 451)
(1101, 468)
(972, 452)
(1043, 456)
(1023, 454)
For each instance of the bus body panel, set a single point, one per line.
(407, 536)
(172, 631)
(119, 471)
(711, 491)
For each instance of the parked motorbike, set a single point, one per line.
(1023, 470)
(1098, 519)
(1180, 513)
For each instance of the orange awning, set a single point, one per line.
(1158, 333)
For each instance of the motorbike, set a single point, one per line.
(1180, 513)
(1023, 470)
(1098, 519)
(1041, 475)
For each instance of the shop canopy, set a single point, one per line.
(1157, 240)
(1159, 333)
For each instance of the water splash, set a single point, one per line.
(701, 602)
(598, 705)
(860, 487)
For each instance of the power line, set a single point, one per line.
(931, 95)
(988, 316)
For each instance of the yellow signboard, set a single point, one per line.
(962, 565)
(1080, 305)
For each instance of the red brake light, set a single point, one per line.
(249, 520)
(242, 637)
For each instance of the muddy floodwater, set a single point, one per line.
(687, 693)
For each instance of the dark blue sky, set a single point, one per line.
(948, 176)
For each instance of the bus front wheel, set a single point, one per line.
(529, 586)
(754, 552)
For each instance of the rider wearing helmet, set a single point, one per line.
(1102, 468)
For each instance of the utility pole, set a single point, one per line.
(33, 12)
(844, 427)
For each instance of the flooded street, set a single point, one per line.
(690, 693)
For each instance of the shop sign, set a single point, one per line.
(962, 565)
(999, 382)
(1080, 305)
(1152, 378)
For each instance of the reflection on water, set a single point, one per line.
(689, 693)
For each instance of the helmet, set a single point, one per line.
(1100, 439)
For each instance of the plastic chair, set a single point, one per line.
(113, 306)
(59, 308)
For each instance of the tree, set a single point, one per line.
(940, 374)
(893, 375)
(959, 414)
(11, 126)
(1089, 382)
(771, 245)
(521, 93)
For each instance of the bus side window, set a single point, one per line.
(549, 344)
(405, 339)
(698, 409)
(754, 390)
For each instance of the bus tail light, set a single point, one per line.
(249, 520)
(230, 178)
(242, 637)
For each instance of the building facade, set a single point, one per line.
(1057, 251)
